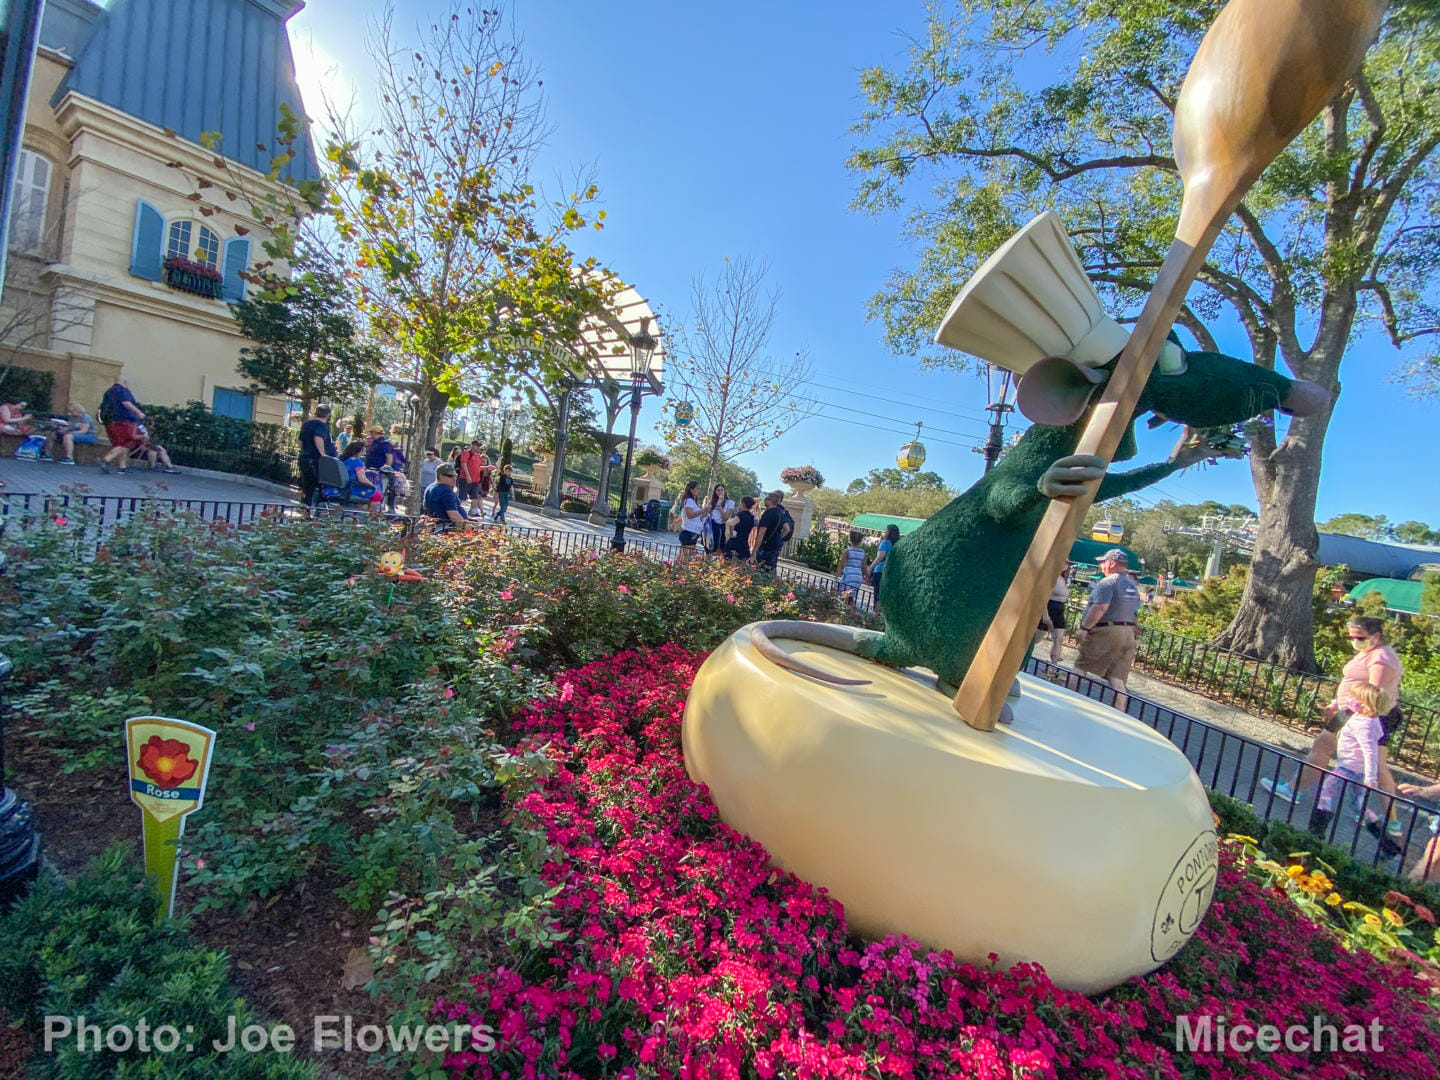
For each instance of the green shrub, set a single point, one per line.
(94, 950)
(819, 551)
(1354, 879)
(36, 388)
(561, 611)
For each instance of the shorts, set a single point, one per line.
(1056, 610)
(768, 558)
(1107, 652)
(123, 433)
(81, 437)
(688, 539)
(470, 491)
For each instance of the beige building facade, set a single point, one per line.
(112, 267)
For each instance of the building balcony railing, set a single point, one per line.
(193, 277)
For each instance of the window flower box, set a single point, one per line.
(193, 277)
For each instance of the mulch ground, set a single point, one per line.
(288, 955)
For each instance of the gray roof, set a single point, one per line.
(1373, 558)
(191, 66)
(66, 25)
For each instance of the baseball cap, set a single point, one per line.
(445, 469)
(1117, 554)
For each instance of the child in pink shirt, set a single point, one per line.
(1357, 751)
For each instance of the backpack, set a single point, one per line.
(107, 407)
(782, 531)
(787, 525)
(31, 449)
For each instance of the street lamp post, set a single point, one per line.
(642, 350)
(19, 843)
(509, 409)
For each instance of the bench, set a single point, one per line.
(85, 453)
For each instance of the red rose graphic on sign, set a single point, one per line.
(166, 762)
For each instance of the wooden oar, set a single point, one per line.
(1262, 73)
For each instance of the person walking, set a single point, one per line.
(719, 509)
(850, 572)
(315, 443)
(120, 413)
(1052, 622)
(504, 488)
(1108, 633)
(771, 532)
(468, 482)
(1375, 663)
(882, 555)
(427, 468)
(1357, 756)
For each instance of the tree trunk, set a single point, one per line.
(1276, 618)
(429, 415)
(715, 447)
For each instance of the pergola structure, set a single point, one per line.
(602, 361)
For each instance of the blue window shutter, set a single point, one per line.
(147, 242)
(234, 404)
(237, 258)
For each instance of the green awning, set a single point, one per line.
(1399, 595)
(878, 522)
(1089, 552)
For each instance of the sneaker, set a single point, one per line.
(65, 461)
(172, 469)
(1394, 828)
(1279, 788)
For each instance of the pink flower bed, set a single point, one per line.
(688, 956)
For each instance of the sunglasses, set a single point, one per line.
(1359, 637)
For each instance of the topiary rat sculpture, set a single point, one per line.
(944, 582)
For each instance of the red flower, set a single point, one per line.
(166, 762)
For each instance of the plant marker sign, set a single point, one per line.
(169, 762)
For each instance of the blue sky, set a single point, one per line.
(722, 130)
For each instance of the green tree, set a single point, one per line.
(463, 267)
(1333, 237)
(1363, 525)
(898, 480)
(691, 461)
(1415, 532)
(306, 343)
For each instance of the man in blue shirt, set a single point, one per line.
(315, 443)
(120, 413)
(441, 501)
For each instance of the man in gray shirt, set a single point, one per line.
(1108, 634)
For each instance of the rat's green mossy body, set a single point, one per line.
(944, 582)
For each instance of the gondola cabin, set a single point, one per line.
(1108, 532)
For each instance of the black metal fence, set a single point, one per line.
(1270, 691)
(1250, 771)
(1227, 762)
(104, 512)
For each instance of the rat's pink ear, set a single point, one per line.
(1055, 391)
